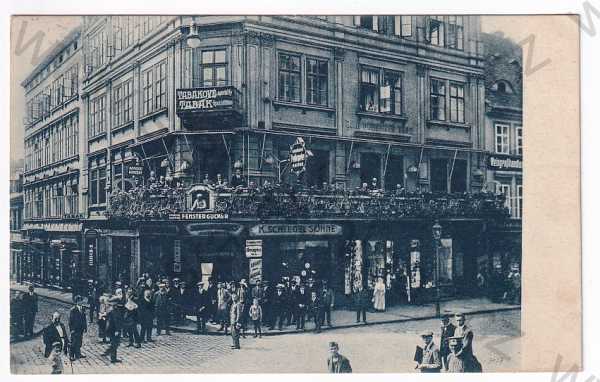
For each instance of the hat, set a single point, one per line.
(182, 283)
(459, 315)
(243, 282)
(200, 283)
(78, 299)
(280, 286)
(118, 283)
(114, 300)
(57, 345)
(162, 284)
(176, 279)
(427, 333)
(333, 344)
(454, 340)
(90, 281)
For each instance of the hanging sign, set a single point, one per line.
(255, 271)
(298, 155)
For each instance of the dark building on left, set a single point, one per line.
(52, 212)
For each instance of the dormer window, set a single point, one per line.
(503, 87)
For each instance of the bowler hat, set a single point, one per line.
(427, 333)
(333, 344)
(78, 299)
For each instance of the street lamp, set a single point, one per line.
(192, 38)
(437, 235)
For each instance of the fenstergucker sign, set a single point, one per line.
(204, 99)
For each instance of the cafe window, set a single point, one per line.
(394, 172)
(316, 81)
(289, 77)
(519, 142)
(457, 103)
(403, 26)
(456, 32)
(214, 67)
(437, 98)
(317, 168)
(439, 175)
(436, 30)
(502, 139)
(458, 183)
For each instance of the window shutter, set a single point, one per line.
(397, 25)
(376, 23)
(357, 20)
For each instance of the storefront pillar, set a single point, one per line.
(134, 270)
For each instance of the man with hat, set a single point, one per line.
(337, 363)
(223, 300)
(456, 363)
(237, 179)
(235, 315)
(162, 309)
(174, 297)
(471, 364)
(243, 293)
(146, 316)
(429, 360)
(92, 299)
(292, 294)
(53, 333)
(114, 327)
(77, 326)
(211, 292)
(327, 298)
(30, 308)
(277, 308)
(201, 305)
(315, 309)
(447, 331)
(301, 307)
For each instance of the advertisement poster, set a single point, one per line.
(415, 269)
(255, 271)
(445, 256)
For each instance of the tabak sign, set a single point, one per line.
(204, 99)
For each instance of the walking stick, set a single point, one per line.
(71, 362)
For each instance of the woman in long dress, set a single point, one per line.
(379, 295)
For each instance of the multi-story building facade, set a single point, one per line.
(52, 211)
(174, 106)
(504, 123)
(16, 223)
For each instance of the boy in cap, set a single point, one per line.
(337, 363)
(56, 358)
(430, 360)
(456, 363)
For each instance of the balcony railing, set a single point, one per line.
(274, 202)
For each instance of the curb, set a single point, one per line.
(180, 329)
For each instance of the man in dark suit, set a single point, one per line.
(301, 307)
(146, 315)
(291, 303)
(278, 308)
(162, 305)
(211, 292)
(447, 331)
(315, 308)
(337, 363)
(362, 301)
(55, 332)
(114, 326)
(327, 297)
(201, 305)
(77, 326)
(30, 308)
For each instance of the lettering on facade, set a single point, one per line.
(199, 216)
(505, 162)
(135, 170)
(296, 229)
(191, 100)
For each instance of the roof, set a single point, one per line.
(54, 52)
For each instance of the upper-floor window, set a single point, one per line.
(154, 88)
(289, 77)
(446, 31)
(519, 140)
(437, 100)
(123, 103)
(367, 22)
(97, 182)
(214, 67)
(456, 32)
(381, 91)
(124, 31)
(71, 82)
(437, 29)
(457, 103)
(403, 26)
(502, 139)
(316, 81)
(97, 122)
(96, 55)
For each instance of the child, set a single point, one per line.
(256, 316)
(56, 358)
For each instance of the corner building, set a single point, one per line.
(393, 100)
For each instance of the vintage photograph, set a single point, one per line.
(265, 194)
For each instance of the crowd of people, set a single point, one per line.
(159, 197)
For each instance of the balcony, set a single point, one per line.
(202, 108)
(162, 202)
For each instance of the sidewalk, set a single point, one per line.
(341, 318)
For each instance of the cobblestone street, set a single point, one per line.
(392, 349)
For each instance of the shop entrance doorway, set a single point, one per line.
(306, 259)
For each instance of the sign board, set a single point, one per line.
(505, 163)
(198, 216)
(254, 248)
(177, 267)
(255, 271)
(177, 251)
(135, 170)
(204, 99)
(322, 229)
(298, 156)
